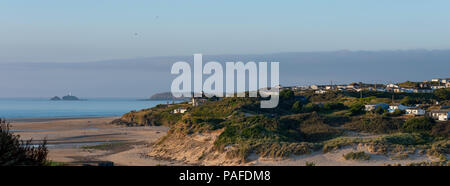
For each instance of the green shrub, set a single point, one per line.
(397, 112)
(379, 110)
(400, 156)
(286, 94)
(339, 142)
(309, 164)
(407, 139)
(16, 152)
(311, 107)
(441, 129)
(442, 94)
(356, 156)
(408, 101)
(419, 124)
(297, 107)
(375, 124)
(356, 109)
(334, 106)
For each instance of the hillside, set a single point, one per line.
(235, 130)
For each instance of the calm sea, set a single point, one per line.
(44, 108)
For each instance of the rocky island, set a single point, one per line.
(56, 98)
(69, 97)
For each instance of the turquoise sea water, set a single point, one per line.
(94, 107)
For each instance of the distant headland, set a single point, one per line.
(164, 96)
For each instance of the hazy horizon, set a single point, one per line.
(142, 77)
(220, 54)
(84, 30)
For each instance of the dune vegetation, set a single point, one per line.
(301, 124)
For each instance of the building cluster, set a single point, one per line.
(423, 87)
(441, 115)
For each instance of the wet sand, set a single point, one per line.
(68, 140)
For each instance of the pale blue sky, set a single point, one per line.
(89, 30)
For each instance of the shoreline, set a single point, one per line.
(90, 140)
(47, 119)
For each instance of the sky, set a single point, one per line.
(86, 30)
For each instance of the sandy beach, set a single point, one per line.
(69, 140)
(90, 141)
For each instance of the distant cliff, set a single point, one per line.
(165, 96)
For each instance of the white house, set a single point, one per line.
(408, 90)
(392, 86)
(445, 80)
(438, 86)
(180, 110)
(353, 86)
(373, 106)
(441, 115)
(422, 90)
(320, 91)
(394, 107)
(415, 111)
(279, 87)
(436, 79)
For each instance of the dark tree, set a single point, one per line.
(16, 152)
(442, 94)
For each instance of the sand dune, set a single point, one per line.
(68, 138)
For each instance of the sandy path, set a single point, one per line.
(335, 158)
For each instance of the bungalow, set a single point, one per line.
(415, 111)
(425, 85)
(422, 90)
(341, 86)
(320, 92)
(436, 79)
(180, 110)
(441, 115)
(353, 86)
(330, 87)
(314, 87)
(407, 90)
(373, 106)
(447, 85)
(394, 107)
(392, 86)
(438, 86)
(381, 90)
